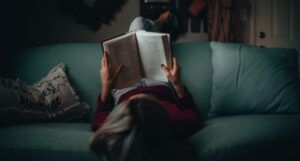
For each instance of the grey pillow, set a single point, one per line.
(51, 99)
(254, 80)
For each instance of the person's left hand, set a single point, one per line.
(173, 74)
(108, 77)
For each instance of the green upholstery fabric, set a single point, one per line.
(196, 72)
(232, 138)
(47, 141)
(254, 80)
(249, 138)
(82, 61)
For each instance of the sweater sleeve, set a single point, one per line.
(186, 102)
(188, 116)
(102, 111)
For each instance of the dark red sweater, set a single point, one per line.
(182, 111)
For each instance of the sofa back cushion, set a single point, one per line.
(82, 61)
(254, 80)
(196, 72)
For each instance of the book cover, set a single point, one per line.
(141, 53)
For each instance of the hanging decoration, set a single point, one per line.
(93, 16)
(183, 16)
(221, 20)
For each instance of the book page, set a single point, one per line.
(153, 54)
(123, 50)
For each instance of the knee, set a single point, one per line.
(140, 23)
(138, 19)
(137, 24)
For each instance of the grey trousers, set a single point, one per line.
(140, 23)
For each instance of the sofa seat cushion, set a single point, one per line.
(47, 142)
(249, 137)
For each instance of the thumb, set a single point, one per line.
(118, 71)
(165, 69)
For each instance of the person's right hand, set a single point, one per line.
(108, 77)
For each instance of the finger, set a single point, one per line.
(105, 59)
(105, 53)
(174, 62)
(107, 63)
(117, 72)
(165, 69)
(104, 62)
(176, 66)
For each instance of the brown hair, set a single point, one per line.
(137, 130)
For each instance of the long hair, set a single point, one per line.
(138, 130)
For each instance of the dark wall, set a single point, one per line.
(29, 23)
(13, 22)
(13, 17)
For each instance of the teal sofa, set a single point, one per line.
(223, 138)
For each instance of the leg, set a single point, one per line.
(144, 82)
(117, 93)
(141, 23)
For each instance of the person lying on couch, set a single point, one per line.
(148, 121)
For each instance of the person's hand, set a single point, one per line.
(108, 77)
(173, 75)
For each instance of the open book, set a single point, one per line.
(141, 53)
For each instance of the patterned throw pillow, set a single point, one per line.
(50, 99)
